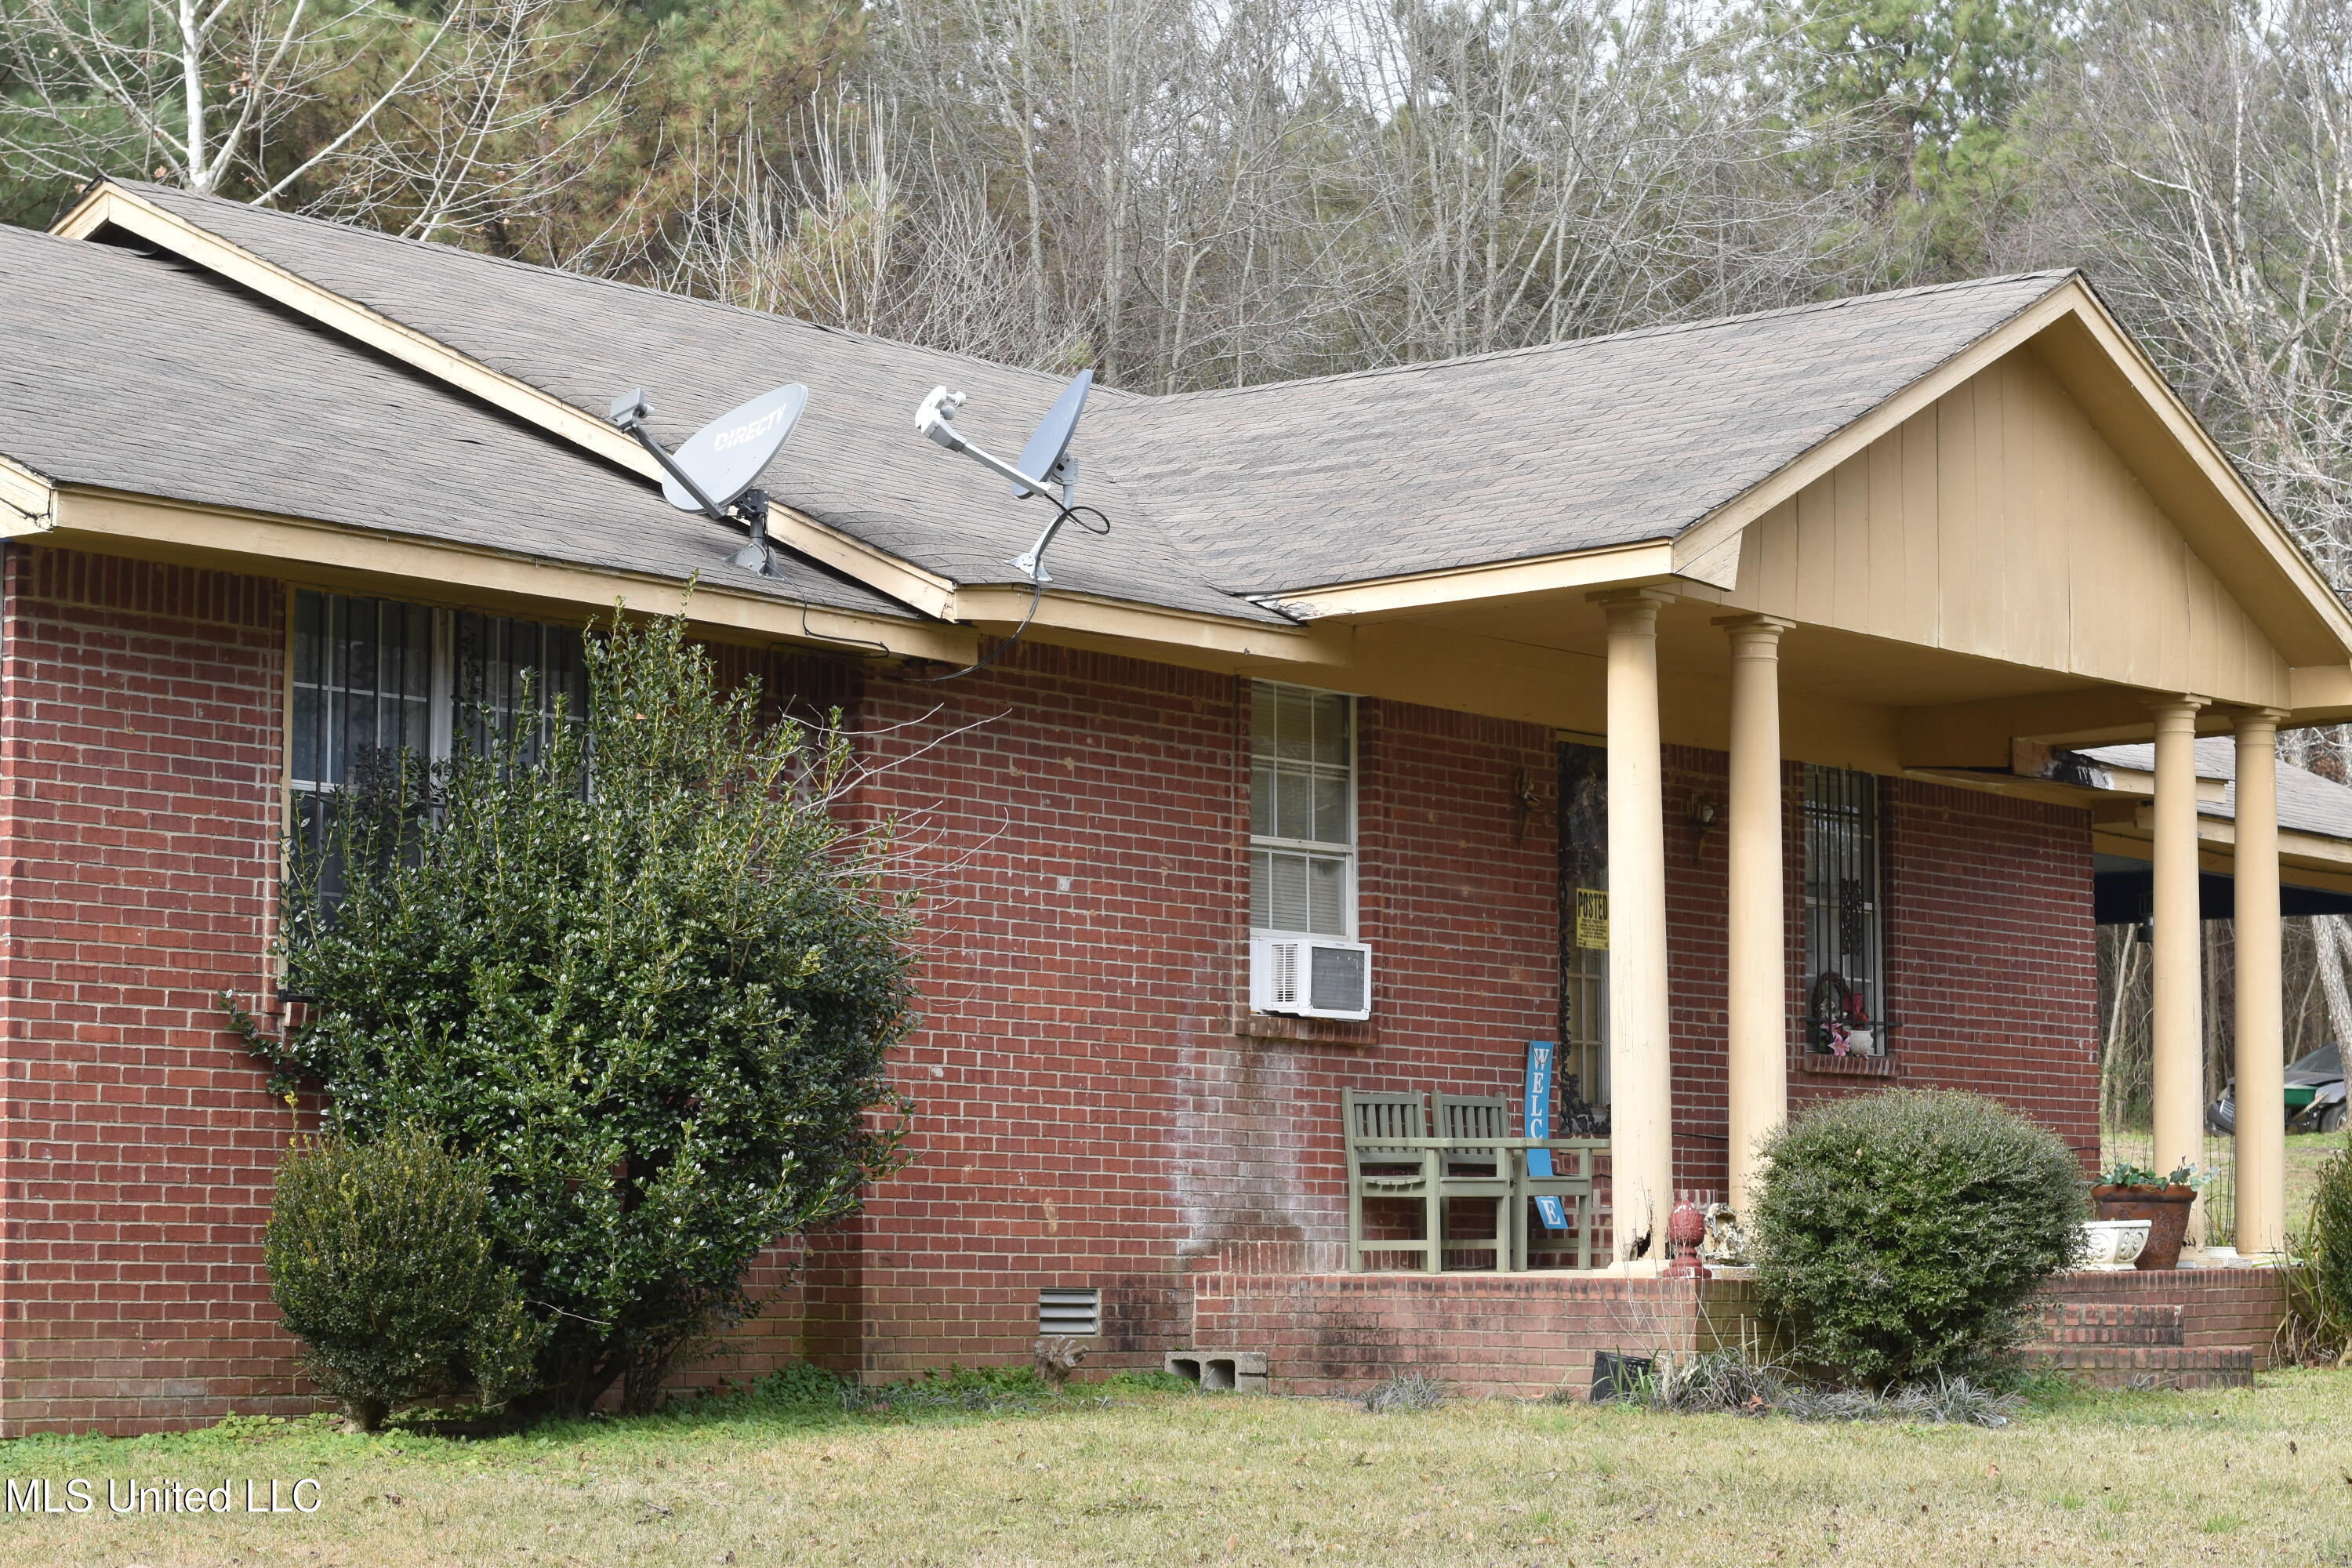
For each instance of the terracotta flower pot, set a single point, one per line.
(2164, 1208)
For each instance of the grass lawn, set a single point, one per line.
(2260, 1475)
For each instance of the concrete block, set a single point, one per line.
(1236, 1372)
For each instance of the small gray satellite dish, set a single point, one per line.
(727, 456)
(1048, 455)
(1045, 460)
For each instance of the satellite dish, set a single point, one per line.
(727, 456)
(1045, 460)
(1047, 454)
(720, 463)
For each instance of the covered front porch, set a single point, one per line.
(1960, 593)
(1782, 853)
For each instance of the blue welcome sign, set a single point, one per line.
(1550, 1210)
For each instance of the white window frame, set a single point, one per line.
(1349, 854)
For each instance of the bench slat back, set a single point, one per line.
(1472, 1118)
(1371, 1117)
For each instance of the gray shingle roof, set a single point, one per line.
(145, 374)
(2307, 803)
(854, 462)
(1533, 452)
(1498, 458)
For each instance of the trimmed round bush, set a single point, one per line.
(380, 1262)
(1903, 1234)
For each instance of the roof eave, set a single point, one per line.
(123, 522)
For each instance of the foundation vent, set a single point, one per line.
(1077, 1313)
(1233, 1372)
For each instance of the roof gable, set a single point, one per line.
(568, 343)
(1591, 443)
(134, 375)
(1997, 523)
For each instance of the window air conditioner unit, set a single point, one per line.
(1311, 976)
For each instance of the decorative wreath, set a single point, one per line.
(1833, 1008)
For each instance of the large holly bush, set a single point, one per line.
(633, 963)
(1905, 1233)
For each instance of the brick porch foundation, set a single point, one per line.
(1527, 1335)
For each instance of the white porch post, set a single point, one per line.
(2176, 1029)
(1757, 1092)
(2260, 1027)
(1640, 1129)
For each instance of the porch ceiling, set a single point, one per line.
(1826, 661)
(1852, 699)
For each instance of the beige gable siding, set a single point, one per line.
(1998, 523)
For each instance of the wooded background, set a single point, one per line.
(1185, 194)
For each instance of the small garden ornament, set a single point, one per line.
(1685, 1230)
(1057, 1357)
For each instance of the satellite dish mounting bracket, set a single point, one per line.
(1031, 564)
(754, 556)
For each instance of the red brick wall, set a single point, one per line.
(140, 767)
(1992, 966)
(1088, 1113)
(1993, 957)
(1089, 1116)
(1522, 1336)
(1526, 1336)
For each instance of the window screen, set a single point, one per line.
(1302, 811)
(500, 663)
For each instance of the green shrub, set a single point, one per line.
(1903, 1234)
(656, 1006)
(800, 1382)
(2328, 1249)
(380, 1261)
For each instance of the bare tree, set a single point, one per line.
(1187, 195)
(2198, 159)
(363, 109)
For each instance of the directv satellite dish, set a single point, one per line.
(1048, 455)
(1045, 460)
(719, 464)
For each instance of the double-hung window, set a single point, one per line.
(373, 678)
(1845, 968)
(1302, 812)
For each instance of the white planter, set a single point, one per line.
(2114, 1243)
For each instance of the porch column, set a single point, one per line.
(1757, 1092)
(2177, 1028)
(1641, 1129)
(2261, 1072)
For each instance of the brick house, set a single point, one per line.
(1607, 693)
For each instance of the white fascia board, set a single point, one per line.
(27, 501)
(1619, 565)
